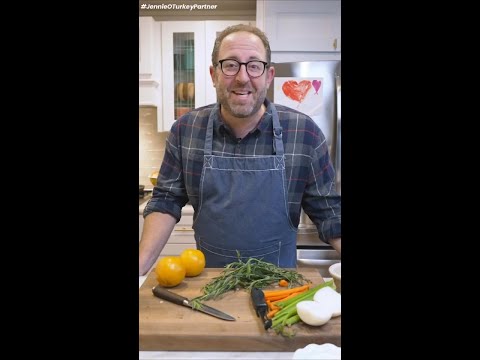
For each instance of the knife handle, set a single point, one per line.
(259, 303)
(164, 294)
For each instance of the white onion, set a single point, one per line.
(313, 313)
(330, 299)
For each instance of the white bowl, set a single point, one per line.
(335, 271)
(317, 352)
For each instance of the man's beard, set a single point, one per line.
(241, 110)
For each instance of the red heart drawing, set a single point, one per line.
(296, 91)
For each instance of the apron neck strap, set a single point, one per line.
(209, 135)
(277, 132)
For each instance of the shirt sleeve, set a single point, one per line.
(169, 195)
(321, 202)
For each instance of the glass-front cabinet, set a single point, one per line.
(184, 68)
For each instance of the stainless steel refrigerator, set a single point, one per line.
(314, 88)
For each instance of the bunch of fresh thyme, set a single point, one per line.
(252, 273)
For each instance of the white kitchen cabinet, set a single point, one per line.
(145, 49)
(149, 58)
(301, 26)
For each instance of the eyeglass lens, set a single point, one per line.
(232, 67)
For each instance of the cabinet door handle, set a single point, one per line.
(183, 229)
(335, 44)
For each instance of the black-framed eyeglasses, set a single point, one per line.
(231, 67)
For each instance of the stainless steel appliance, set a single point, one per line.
(314, 88)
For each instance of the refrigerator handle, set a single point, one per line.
(338, 146)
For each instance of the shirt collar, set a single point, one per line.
(264, 125)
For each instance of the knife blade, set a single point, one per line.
(165, 294)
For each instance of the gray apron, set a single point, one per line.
(243, 206)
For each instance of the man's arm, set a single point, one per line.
(157, 228)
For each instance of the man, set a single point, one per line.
(247, 166)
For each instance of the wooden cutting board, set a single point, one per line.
(167, 326)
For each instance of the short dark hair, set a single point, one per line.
(236, 28)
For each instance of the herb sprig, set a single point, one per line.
(252, 273)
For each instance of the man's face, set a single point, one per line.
(240, 95)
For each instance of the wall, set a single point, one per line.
(151, 144)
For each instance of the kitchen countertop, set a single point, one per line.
(204, 355)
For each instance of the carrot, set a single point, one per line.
(278, 293)
(272, 313)
(283, 283)
(271, 306)
(288, 297)
(277, 298)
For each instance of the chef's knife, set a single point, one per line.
(165, 294)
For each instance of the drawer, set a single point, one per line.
(186, 220)
(175, 245)
(175, 249)
(187, 216)
(182, 235)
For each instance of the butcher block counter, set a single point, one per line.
(164, 326)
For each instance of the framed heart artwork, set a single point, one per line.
(302, 94)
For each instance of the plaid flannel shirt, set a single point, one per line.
(309, 173)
